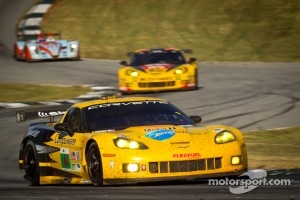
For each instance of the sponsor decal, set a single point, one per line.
(51, 114)
(122, 136)
(86, 181)
(218, 130)
(34, 133)
(186, 155)
(74, 155)
(76, 167)
(125, 104)
(64, 140)
(112, 164)
(158, 129)
(67, 180)
(160, 134)
(101, 131)
(65, 158)
(20, 117)
(156, 68)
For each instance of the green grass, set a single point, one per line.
(274, 148)
(217, 30)
(31, 93)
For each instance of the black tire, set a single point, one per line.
(94, 164)
(31, 164)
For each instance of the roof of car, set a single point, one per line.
(114, 99)
(156, 49)
(159, 50)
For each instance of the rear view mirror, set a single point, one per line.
(192, 60)
(123, 62)
(196, 119)
(64, 127)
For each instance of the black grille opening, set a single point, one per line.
(218, 163)
(210, 163)
(174, 166)
(163, 167)
(185, 165)
(193, 165)
(153, 167)
(201, 164)
(156, 84)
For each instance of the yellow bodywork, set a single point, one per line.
(190, 153)
(157, 77)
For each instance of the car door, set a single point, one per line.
(72, 147)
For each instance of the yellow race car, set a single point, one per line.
(126, 140)
(160, 69)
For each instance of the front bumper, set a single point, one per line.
(142, 87)
(173, 178)
(178, 166)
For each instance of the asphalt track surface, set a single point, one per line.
(250, 96)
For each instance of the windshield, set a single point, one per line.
(118, 116)
(145, 58)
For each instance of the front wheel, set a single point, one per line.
(94, 164)
(31, 164)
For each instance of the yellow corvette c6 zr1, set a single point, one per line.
(126, 140)
(160, 69)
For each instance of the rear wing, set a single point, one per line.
(187, 51)
(26, 37)
(23, 116)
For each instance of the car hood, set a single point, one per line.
(165, 136)
(157, 68)
(159, 133)
(50, 47)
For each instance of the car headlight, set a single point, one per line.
(224, 137)
(32, 48)
(73, 46)
(132, 73)
(125, 143)
(181, 70)
(178, 71)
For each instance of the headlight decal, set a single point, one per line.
(181, 70)
(125, 143)
(131, 73)
(224, 136)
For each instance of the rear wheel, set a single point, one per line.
(94, 164)
(31, 164)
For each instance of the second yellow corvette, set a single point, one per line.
(161, 69)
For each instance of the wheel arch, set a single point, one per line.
(98, 181)
(89, 144)
(22, 148)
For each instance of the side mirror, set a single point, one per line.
(192, 60)
(64, 127)
(123, 62)
(196, 119)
